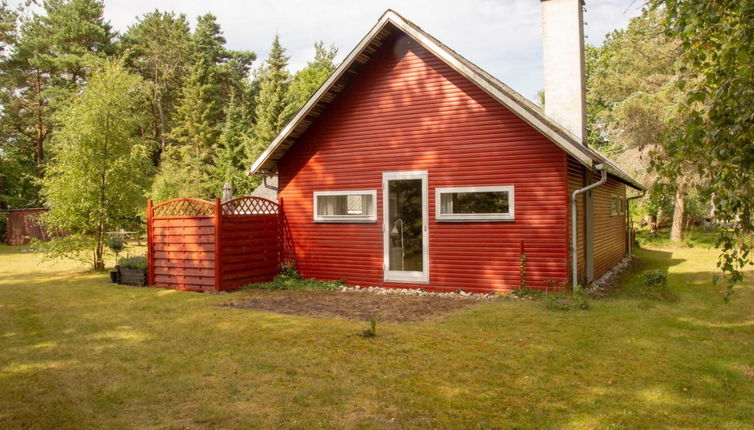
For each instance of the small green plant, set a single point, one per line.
(654, 286)
(528, 293)
(288, 270)
(523, 270)
(568, 301)
(139, 263)
(371, 331)
(287, 282)
(116, 244)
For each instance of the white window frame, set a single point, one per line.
(371, 218)
(510, 216)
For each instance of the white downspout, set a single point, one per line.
(574, 224)
(628, 217)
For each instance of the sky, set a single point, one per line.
(501, 36)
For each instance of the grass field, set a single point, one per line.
(78, 352)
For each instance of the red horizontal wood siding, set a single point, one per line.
(407, 110)
(576, 181)
(610, 236)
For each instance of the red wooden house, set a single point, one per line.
(412, 167)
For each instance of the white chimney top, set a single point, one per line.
(563, 48)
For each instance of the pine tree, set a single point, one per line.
(49, 62)
(229, 159)
(271, 100)
(307, 80)
(159, 47)
(185, 165)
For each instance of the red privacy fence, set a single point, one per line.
(211, 246)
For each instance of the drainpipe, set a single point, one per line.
(628, 217)
(574, 224)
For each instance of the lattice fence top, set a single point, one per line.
(184, 207)
(249, 206)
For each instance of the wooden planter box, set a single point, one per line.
(135, 277)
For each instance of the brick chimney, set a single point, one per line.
(563, 48)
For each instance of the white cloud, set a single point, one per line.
(501, 36)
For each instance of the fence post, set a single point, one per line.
(150, 243)
(282, 246)
(218, 246)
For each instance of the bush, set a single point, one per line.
(654, 286)
(567, 301)
(139, 263)
(116, 244)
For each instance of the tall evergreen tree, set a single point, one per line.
(307, 80)
(160, 48)
(230, 162)
(42, 66)
(49, 63)
(186, 163)
(271, 100)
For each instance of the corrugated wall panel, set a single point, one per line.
(407, 110)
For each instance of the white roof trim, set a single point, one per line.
(556, 133)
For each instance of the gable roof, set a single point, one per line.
(389, 22)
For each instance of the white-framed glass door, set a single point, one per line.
(405, 226)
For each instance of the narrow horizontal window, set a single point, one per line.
(345, 206)
(494, 203)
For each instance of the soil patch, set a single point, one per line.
(351, 305)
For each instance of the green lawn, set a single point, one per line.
(77, 352)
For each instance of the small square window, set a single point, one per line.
(345, 206)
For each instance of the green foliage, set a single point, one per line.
(714, 133)
(230, 163)
(271, 100)
(528, 293)
(100, 168)
(44, 60)
(116, 243)
(631, 92)
(567, 301)
(138, 263)
(307, 80)
(284, 282)
(654, 286)
(159, 47)
(288, 270)
(371, 331)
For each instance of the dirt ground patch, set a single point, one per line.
(354, 305)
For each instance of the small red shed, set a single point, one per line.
(412, 167)
(23, 225)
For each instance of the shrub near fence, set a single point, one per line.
(211, 246)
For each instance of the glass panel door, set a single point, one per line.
(405, 226)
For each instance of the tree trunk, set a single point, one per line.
(40, 131)
(677, 228)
